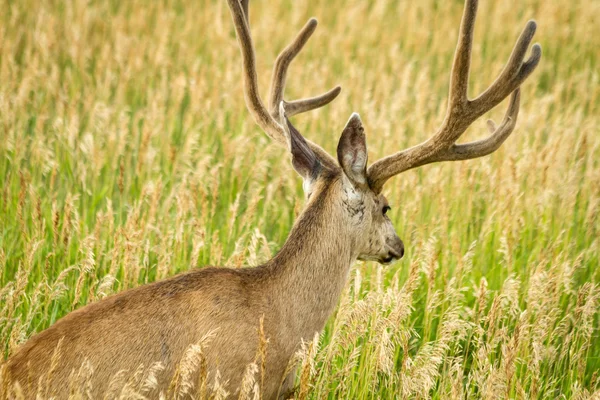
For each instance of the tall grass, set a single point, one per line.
(127, 155)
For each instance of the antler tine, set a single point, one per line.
(483, 147)
(244, 4)
(251, 93)
(303, 105)
(514, 73)
(282, 64)
(459, 77)
(462, 112)
(262, 117)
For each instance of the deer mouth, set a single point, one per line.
(392, 256)
(387, 260)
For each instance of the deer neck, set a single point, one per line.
(311, 269)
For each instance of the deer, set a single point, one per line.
(291, 296)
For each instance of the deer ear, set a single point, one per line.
(352, 151)
(304, 160)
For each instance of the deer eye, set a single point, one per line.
(386, 209)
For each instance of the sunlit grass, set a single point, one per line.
(127, 155)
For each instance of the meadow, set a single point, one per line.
(127, 155)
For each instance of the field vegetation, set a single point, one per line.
(127, 156)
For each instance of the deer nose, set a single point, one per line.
(397, 249)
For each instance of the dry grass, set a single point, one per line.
(127, 156)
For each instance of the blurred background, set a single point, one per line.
(127, 155)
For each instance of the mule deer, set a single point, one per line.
(295, 292)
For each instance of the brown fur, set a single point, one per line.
(295, 292)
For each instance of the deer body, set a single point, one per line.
(295, 292)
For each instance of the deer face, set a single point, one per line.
(365, 209)
(362, 211)
(379, 239)
(364, 215)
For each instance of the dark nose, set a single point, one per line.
(397, 250)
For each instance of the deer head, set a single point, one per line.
(363, 213)
(358, 187)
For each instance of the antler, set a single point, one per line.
(462, 112)
(268, 119)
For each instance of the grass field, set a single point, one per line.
(127, 155)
